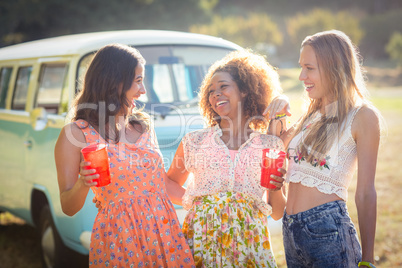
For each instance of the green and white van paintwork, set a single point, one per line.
(38, 81)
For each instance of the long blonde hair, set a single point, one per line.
(339, 65)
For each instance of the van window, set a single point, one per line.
(4, 82)
(82, 69)
(21, 88)
(173, 74)
(50, 86)
(158, 90)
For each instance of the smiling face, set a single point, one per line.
(310, 75)
(137, 86)
(224, 95)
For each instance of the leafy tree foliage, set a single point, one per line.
(24, 20)
(245, 31)
(302, 25)
(379, 29)
(289, 8)
(394, 47)
(252, 23)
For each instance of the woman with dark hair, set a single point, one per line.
(341, 127)
(226, 225)
(137, 226)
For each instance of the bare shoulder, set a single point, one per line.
(366, 116)
(72, 134)
(366, 120)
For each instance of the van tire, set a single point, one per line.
(54, 253)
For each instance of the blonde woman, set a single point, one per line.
(339, 130)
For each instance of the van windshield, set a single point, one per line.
(173, 75)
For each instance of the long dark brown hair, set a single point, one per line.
(109, 76)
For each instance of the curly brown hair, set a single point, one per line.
(254, 76)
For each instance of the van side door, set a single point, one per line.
(14, 128)
(48, 115)
(46, 123)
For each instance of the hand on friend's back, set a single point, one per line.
(98, 204)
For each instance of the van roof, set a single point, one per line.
(87, 42)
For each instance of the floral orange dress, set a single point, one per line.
(137, 226)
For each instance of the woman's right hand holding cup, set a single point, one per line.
(87, 174)
(277, 180)
(272, 168)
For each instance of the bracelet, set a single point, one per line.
(366, 263)
(280, 116)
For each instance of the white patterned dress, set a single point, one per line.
(226, 225)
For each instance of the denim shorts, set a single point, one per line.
(323, 236)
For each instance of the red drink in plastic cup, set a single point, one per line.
(97, 155)
(271, 160)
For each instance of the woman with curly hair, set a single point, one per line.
(226, 225)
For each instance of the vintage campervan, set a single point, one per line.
(38, 81)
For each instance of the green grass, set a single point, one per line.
(388, 104)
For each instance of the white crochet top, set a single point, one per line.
(334, 172)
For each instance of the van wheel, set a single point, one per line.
(54, 253)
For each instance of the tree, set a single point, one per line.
(394, 47)
(379, 29)
(246, 31)
(25, 20)
(302, 25)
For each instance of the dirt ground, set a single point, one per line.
(19, 244)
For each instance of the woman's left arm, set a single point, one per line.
(276, 197)
(366, 132)
(177, 176)
(278, 110)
